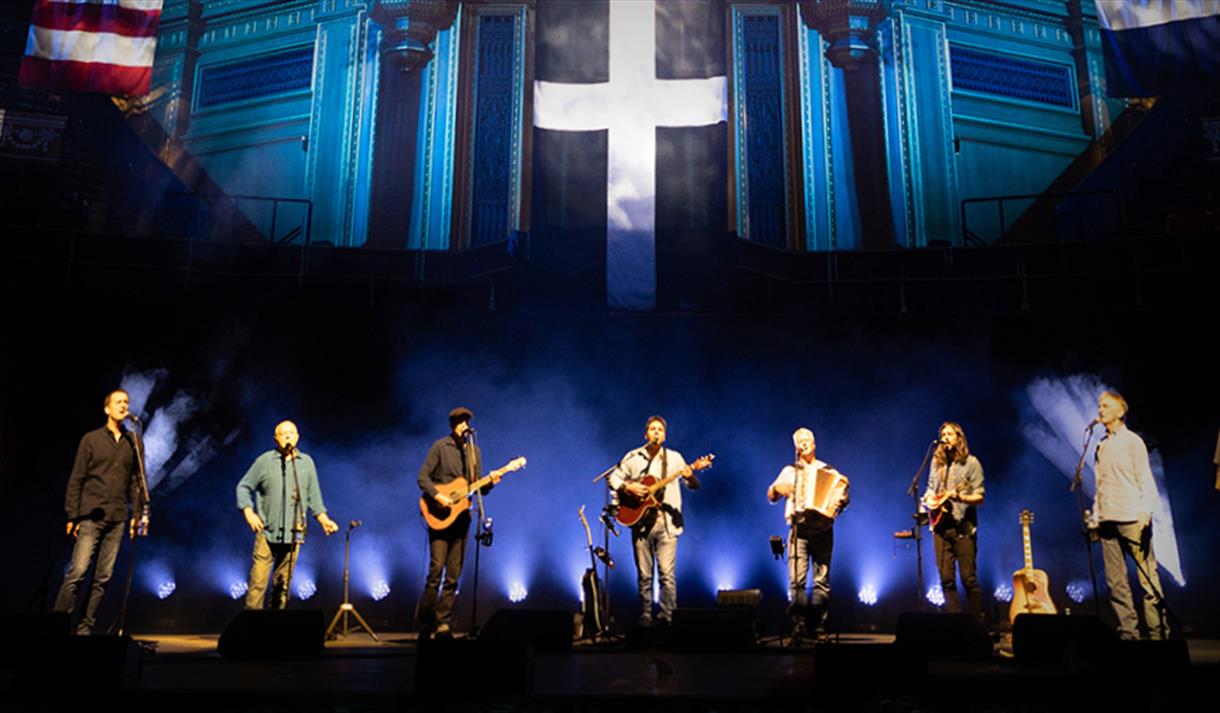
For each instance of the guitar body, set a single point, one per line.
(591, 588)
(937, 507)
(1031, 589)
(1030, 594)
(440, 517)
(632, 509)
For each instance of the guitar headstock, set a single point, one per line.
(515, 464)
(703, 462)
(1027, 517)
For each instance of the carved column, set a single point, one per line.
(850, 28)
(408, 27)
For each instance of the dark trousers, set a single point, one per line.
(957, 549)
(447, 551)
(94, 540)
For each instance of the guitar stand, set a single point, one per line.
(347, 608)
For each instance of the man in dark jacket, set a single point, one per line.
(104, 482)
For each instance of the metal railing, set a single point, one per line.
(1055, 213)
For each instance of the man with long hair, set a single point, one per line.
(955, 490)
(1122, 509)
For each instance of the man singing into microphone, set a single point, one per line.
(655, 537)
(273, 496)
(955, 490)
(1122, 510)
(811, 536)
(103, 483)
(450, 458)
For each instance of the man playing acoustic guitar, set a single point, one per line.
(955, 490)
(450, 458)
(654, 535)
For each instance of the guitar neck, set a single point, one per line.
(1029, 550)
(660, 484)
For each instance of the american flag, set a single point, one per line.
(92, 45)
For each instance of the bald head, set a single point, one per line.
(286, 436)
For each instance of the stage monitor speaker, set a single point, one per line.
(1059, 640)
(274, 633)
(728, 629)
(942, 636)
(544, 630)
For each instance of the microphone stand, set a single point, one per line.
(298, 525)
(1089, 533)
(609, 512)
(347, 607)
(920, 518)
(483, 536)
(141, 529)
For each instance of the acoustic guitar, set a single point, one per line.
(458, 492)
(937, 504)
(1030, 587)
(591, 588)
(631, 508)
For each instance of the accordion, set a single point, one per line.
(824, 488)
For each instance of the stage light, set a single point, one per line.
(306, 588)
(1078, 590)
(517, 593)
(380, 590)
(237, 589)
(167, 588)
(936, 595)
(867, 595)
(1003, 593)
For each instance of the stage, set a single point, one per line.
(848, 672)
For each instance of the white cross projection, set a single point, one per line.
(630, 107)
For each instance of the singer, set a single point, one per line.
(273, 496)
(955, 490)
(450, 458)
(655, 537)
(811, 536)
(1122, 509)
(101, 489)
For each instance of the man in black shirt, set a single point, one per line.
(448, 459)
(102, 484)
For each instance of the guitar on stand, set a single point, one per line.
(631, 508)
(1030, 587)
(593, 606)
(458, 493)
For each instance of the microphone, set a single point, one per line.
(354, 524)
(608, 521)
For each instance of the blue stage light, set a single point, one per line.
(867, 595)
(167, 588)
(936, 595)
(380, 590)
(1003, 593)
(517, 593)
(1078, 590)
(306, 588)
(237, 589)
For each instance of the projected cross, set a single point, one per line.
(630, 107)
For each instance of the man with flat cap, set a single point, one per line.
(450, 458)
(273, 496)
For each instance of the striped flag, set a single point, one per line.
(92, 45)
(1154, 46)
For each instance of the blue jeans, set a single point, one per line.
(809, 545)
(657, 545)
(100, 540)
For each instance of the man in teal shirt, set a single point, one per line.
(273, 495)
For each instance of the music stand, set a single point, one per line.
(347, 608)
